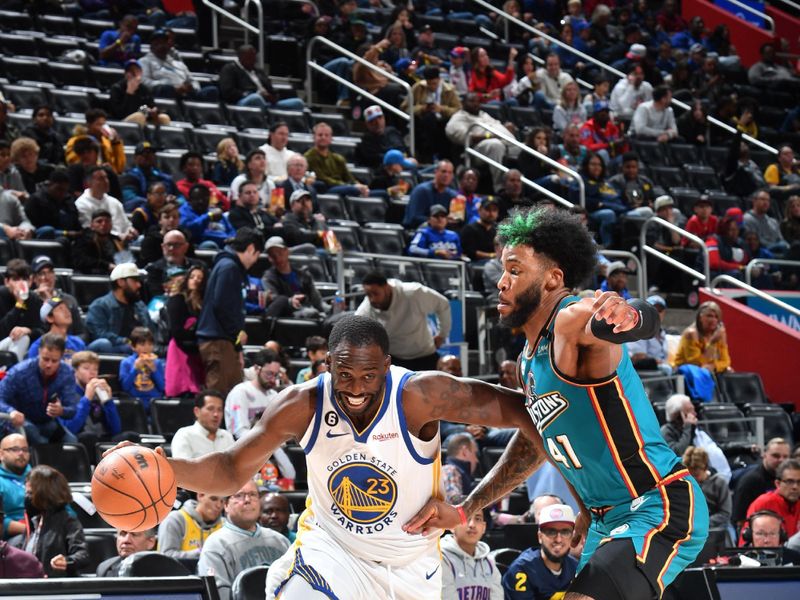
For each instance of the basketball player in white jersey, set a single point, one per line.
(371, 436)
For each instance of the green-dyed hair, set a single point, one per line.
(556, 234)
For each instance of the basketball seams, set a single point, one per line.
(143, 510)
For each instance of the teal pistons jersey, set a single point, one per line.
(602, 434)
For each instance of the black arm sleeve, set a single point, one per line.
(648, 325)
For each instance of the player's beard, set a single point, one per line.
(526, 304)
(552, 557)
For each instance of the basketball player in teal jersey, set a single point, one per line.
(649, 518)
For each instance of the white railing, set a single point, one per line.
(748, 270)
(704, 277)
(753, 11)
(312, 65)
(713, 286)
(641, 282)
(248, 28)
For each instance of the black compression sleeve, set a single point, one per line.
(647, 326)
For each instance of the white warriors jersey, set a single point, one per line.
(364, 486)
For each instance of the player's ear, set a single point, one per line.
(554, 279)
(328, 360)
(387, 362)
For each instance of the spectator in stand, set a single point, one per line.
(205, 434)
(552, 79)
(758, 479)
(603, 203)
(702, 223)
(526, 88)
(435, 240)
(757, 219)
(228, 164)
(331, 167)
(428, 193)
(112, 151)
(629, 92)
(87, 151)
(569, 110)
(512, 195)
(693, 124)
(207, 224)
(635, 189)
(601, 135)
(137, 180)
(247, 211)
(57, 319)
(128, 543)
(51, 211)
(191, 165)
(790, 226)
(316, 349)
(507, 375)
(167, 75)
(681, 432)
(184, 531)
(297, 178)
(463, 124)
(8, 131)
(141, 374)
(374, 81)
(654, 119)
(25, 154)
(54, 536)
(378, 139)
(460, 71)
(132, 100)
(246, 401)
(243, 84)
(15, 455)
(51, 144)
(96, 198)
(403, 309)
(426, 51)
(784, 500)
(703, 344)
(275, 512)
(220, 329)
(20, 323)
(477, 238)
(468, 179)
(145, 216)
(300, 226)
(663, 239)
(292, 292)
(112, 317)
(241, 543)
(37, 391)
(600, 93)
(784, 175)
(539, 139)
(10, 178)
(670, 19)
(389, 178)
(617, 279)
(768, 72)
(485, 81)
(256, 171)
(96, 251)
(117, 47)
(742, 176)
(184, 373)
(276, 150)
(726, 253)
(44, 278)
(462, 461)
(13, 220)
(714, 485)
(168, 219)
(651, 354)
(571, 153)
(694, 34)
(547, 570)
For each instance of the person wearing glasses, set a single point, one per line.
(783, 500)
(543, 572)
(204, 435)
(241, 543)
(15, 457)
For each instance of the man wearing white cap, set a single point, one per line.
(543, 572)
(617, 279)
(378, 139)
(112, 317)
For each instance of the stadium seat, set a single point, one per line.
(356, 268)
(404, 270)
(524, 116)
(345, 148)
(660, 408)
(207, 138)
(442, 277)
(332, 207)
(93, 28)
(67, 74)
(54, 47)
(658, 389)
(67, 101)
(366, 210)
(249, 584)
(201, 113)
(171, 137)
(70, 459)
(66, 125)
(292, 333)
(311, 263)
(13, 19)
(105, 77)
(347, 236)
(652, 154)
(257, 330)
(503, 557)
(196, 61)
(246, 116)
(683, 154)
(25, 68)
(102, 544)
(383, 241)
(777, 422)
(130, 133)
(170, 414)
(53, 250)
(170, 161)
(685, 198)
(296, 120)
(25, 95)
(131, 414)
(89, 287)
(7, 359)
(152, 564)
(250, 141)
(724, 433)
(15, 43)
(742, 388)
(170, 106)
(668, 177)
(338, 123)
(296, 498)
(702, 177)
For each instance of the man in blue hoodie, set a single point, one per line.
(37, 391)
(220, 329)
(208, 226)
(435, 240)
(15, 455)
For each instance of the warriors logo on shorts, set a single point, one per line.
(362, 492)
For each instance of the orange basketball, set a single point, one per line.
(133, 488)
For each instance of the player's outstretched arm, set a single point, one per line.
(608, 318)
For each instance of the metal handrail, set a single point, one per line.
(640, 281)
(532, 152)
(705, 277)
(462, 266)
(313, 5)
(749, 288)
(312, 65)
(790, 3)
(753, 11)
(525, 180)
(218, 10)
(680, 381)
(766, 261)
(682, 105)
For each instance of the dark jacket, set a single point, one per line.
(104, 318)
(19, 317)
(222, 317)
(752, 484)
(372, 147)
(109, 567)
(60, 533)
(235, 83)
(289, 188)
(678, 437)
(43, 210)
(157, 269)
(261, 220)
(278, 285)
(18, 564)
(94, 255)
(51, 145)
(178, 312)
(135, 181)
(24, 390)
(476, 237)
(296, 231)
(123, 104)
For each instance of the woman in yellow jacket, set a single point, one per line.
(111, 148)
(705, 343)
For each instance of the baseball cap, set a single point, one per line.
(697, 47)
(663, 202)
(458, 52)
(143, 147)
(556, 513)
(656, 300)
(275, 241)
(372, 112)
(489, 201)
(703, 199)
(159, 33)
(48, 307)
(125, 270)
(100, 212)
(40, 262)
(600, 105)
(173, 271)
(425, 28)
(736, 213)
(617, 265)
(132, 63)
(395, 157)
(636, 51)
(298, 195)
(437, 209)
(402, 64)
